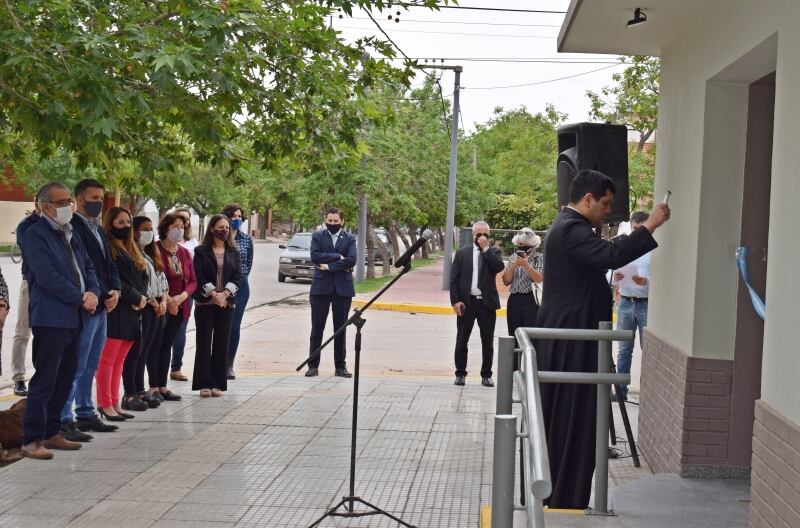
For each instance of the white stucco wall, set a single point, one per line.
(700, 158)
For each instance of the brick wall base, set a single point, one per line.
(775, 492)
(684, 417)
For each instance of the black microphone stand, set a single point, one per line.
(348, 501)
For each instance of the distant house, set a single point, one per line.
(14, 201)
(719, 387)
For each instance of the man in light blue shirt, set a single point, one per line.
(632, 309)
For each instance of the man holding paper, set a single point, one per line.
(633, 281)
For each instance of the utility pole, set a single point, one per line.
(451, 182)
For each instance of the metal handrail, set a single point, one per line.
(536, 472)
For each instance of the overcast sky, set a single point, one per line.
(462, 33)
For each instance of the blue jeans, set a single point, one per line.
(242, 296)
(630, 316)
(180, 342)
(91, 341)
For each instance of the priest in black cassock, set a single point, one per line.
(577, 295)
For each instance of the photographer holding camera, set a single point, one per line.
(522, 274)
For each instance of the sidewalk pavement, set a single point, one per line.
(420, 291)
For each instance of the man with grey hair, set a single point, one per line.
(62, 290)
(473, 294)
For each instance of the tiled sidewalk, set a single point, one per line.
(274, 451)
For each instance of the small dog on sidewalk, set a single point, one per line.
(11, 432)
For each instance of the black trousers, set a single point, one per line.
(213, 330)
(159, 361)
(486, 317)
(55, 359)
(522, 311)
(320, 306)
(135, 361)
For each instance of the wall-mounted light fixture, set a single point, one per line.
(639, 19)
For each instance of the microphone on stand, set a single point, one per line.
(406, 258)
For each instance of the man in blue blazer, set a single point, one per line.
(63, 290)
(333, 251)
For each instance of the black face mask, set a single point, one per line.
(523, 251)
(120, 233)
(333, 228)
(93, 209)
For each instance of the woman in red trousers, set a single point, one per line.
(124, 322)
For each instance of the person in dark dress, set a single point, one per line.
(577, 295)
(219, 277)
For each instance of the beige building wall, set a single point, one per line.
(11, 213)
(707, 65)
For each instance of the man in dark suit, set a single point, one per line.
(89, 196)
(333, 251)
(63, 290)
(473, 294)
(576, 295)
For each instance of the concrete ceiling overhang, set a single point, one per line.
(598, 26)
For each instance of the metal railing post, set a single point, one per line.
(505, 374)
(505, 435)
(603, 418)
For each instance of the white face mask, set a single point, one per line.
(63, 215)
(145, 237)
(175, 235)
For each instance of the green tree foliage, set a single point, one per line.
(104, 80)
(633, 98)
(516, 159)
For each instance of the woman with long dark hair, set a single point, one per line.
(177, 263)
(179, 344)
(153, 320)
(124, 322)
(219, 277)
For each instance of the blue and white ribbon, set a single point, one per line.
(741, 260)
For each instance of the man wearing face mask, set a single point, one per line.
(333, 252)
(89, 196)
(473, 294)
(63, 291)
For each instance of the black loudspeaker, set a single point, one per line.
(594, 146)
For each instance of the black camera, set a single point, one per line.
(521, 253)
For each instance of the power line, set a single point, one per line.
(416, 20)
(514, 60)
(403, 53)
(498, 9)
(456, 33)
(540, 82)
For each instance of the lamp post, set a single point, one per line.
(451, 182)
(361, 239)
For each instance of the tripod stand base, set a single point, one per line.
(349, 512)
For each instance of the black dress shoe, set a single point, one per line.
(133, 403)
(487, 382)
(146, 396)
(231, 373)
(71, 432)
(312, 371)
(170, 396)
(342, 373)
(20, 389)
(157, 396)
(93, 423)
(460, 380)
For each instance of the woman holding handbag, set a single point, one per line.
(219, 276)
(523, 273)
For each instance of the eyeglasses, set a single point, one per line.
(62, 203)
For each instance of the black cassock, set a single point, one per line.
(576, 294)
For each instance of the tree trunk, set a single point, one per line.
(137, 204)
(412, 233)
(643, 137)
(370, 253)
(393, 234)
(384, 253)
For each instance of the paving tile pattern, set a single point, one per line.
(274, 451)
